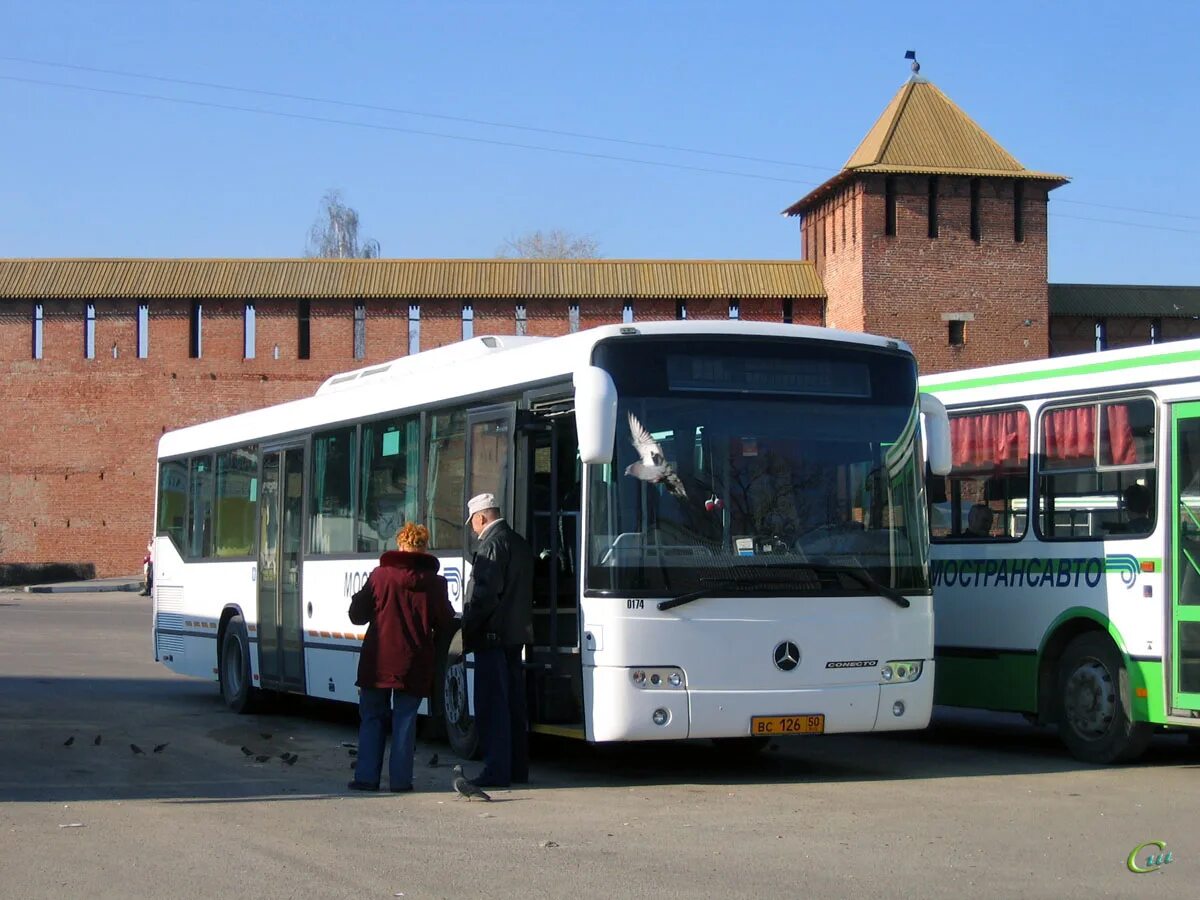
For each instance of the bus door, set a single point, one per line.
(552, 525)
(1185, 561)
(280, 527)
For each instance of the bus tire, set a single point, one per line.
(450, 695)
(1094, 709)
(237, 688)
(740, 748)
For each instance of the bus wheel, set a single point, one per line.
(455, 711)
(236, 689)
(1095, 712)
(739, 748)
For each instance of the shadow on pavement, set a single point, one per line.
(214, 755)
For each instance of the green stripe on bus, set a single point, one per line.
(1064, 372)
(1005, 682)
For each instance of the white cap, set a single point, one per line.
(479, 503)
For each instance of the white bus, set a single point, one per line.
(771, 578)
(1066, 554)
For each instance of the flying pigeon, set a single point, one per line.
(653, 467)
(69, 741)
(137, 751)
(466, 788)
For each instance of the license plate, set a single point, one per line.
(778, 725)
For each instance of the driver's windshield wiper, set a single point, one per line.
(855, 574)
(723, 585)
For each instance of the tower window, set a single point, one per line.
(304, 330)
(680, 309)
(249, 328)
(627, 313)
(468, 321)
(414, 329)
(38, 323)
(89, 332)
(976, 225)
(143, 330)
(360, 330)
(889, 206)
(1019, 211)
(522, 320)
(958, 332)
(573, 317)
(933, 206)
(787, 312)
(195, 326)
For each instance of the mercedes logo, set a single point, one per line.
(786, 656)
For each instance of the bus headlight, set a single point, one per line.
(657, 679)
(899, 671)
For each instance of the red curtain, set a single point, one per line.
(991, 440)
(1070, 435)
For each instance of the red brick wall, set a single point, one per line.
(901, 285)
(78, 460)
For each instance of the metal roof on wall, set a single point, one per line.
(1118, 300)
(406, 278)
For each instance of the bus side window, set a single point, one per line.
(1097, 476)
(985, 496)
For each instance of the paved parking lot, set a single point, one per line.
(978, 806)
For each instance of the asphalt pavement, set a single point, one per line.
(979, 806)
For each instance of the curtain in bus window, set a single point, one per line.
(990, 440)
(1069, 436)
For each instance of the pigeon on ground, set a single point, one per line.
(69, 741)
(137, 751)
(96, 742)
(291, 760)
(266, 736)
(159, 748)
(466, 788)
(246, 751)
(653, 466)
(433, 761)
(261, 759)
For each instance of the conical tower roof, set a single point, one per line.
(923, 132)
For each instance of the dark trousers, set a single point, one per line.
(382, 711)
(501, 716)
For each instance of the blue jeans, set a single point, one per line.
(375, 707)
(501, 717)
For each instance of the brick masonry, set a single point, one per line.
(77, 466)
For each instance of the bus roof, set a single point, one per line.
(465, 369)
(1085, 371)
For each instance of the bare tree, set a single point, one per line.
(334, 235)
(553, 244)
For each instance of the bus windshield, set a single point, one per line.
(784, 468)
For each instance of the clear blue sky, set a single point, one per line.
(1106, 93)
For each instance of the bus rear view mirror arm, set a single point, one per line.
(935, 425)
(595, 414)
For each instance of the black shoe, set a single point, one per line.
(357, 785)
(401, 790)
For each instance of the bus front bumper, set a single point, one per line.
(619, 711)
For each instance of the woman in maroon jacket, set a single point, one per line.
(404, 605)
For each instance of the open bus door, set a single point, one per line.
(551, 523)
(1184, 670)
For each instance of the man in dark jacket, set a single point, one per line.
(497, 623)
(405, 606)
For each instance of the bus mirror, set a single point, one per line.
(935, 427)
(595, 414)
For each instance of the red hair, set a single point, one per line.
(413, 535)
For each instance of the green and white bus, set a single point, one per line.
(1066, 545)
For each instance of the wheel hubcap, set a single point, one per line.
(1090, 699)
